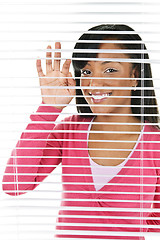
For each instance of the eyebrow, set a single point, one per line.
(103, 63)
(109, 62)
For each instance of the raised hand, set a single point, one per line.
(54, 77)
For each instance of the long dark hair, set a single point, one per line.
(133, 41)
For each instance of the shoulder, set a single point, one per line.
(153, 143)
(77, 121)
(152, 135)
(78, 118)
(74, 122)
(152, 130)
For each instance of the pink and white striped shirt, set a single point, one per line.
(112, 212)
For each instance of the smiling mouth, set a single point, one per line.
(98, 97)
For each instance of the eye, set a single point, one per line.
(110, 70)
(85, 72)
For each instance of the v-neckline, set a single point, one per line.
(128, 162)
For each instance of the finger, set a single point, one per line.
(57, 62)
(39, 68)
(48, 61)
(66, 66)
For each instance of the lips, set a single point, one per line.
(97, 97)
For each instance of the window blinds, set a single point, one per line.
(81, 172)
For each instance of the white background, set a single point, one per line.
(26, 28)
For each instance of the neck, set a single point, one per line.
(120, 122)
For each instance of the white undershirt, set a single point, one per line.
(103, 174)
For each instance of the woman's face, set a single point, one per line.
(100, 95)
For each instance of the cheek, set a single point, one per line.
(82, 85)
(122, 83)
(84, 82)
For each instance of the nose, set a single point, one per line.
(95, 82)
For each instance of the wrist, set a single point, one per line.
(47, 113)
(52, 105)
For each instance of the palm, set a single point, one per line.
(54, 79)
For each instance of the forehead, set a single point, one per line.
(111, 50)
(109, 46)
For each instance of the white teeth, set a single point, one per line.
(98, 97)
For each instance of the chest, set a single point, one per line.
(110, 150)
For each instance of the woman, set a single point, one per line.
(109, 151)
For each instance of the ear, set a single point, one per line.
(134, 75)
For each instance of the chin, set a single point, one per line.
(97, 109)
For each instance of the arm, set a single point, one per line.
(156, 203)
(33, 137)
(31, 162)
(155, 214)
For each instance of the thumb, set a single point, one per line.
(71, 80)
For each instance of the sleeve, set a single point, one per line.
(155, 215)
(26, 164)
